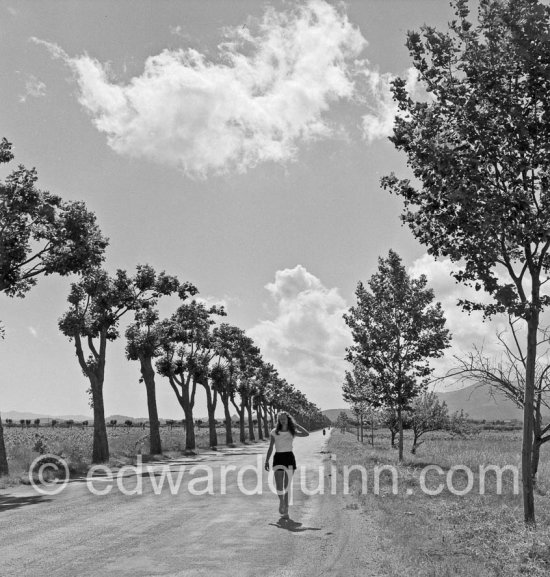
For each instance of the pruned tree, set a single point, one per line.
(97, 303)
(505, 373)
(40, 234)
(396, 330)
(248, 359)
(186, 351)
(144, 340)
(225, 372)
(479, 149)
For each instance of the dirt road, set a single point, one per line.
(172, 532)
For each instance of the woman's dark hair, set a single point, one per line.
(290, 421)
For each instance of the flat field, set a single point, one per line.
(23, 445)
(461, 531)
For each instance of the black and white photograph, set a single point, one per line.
(274, 288)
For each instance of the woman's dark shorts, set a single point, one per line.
(286, 460)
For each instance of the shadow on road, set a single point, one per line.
(292, 526)
(7, 502)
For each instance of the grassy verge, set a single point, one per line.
(448, 534)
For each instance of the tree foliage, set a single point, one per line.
(40, 233)
(96, 305)
(396, 330)
(479, 149)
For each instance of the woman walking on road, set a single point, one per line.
(284, 462)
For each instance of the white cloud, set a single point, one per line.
(224, 301)
(378, 123)
(33, 332)
(269, 89)
(34, 88)
(307, 337)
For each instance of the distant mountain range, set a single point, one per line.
(17, 416)
(479, 402)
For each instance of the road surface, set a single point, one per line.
(172, 532)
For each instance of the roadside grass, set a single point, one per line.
(448, 534)
(74, 444)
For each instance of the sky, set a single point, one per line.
(237, 144)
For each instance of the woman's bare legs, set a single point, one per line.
(282, 481)
(280, 475)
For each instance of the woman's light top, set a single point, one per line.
(283, 441)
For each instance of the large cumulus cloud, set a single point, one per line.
(306, 337)
(269, 89)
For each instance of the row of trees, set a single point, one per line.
(191, 349)
(426, 413)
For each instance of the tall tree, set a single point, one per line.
(358, 391)
(342, 421)
(144, 340)
(479, 149)
(225, 372)
(396, 330)
(97, 303)
(40, 234)
(249, 358)
(187, 352)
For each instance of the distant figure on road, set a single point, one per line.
(284, 462)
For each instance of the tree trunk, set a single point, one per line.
(242, 427)
(228, 423)
(189, 429)
(187, 402)
(393, 432)
(415, 440)
(361, 427)
(372, 428)
(400, 428)
(4, 469)
(259, 417)
(211, 408)
(537, 440)
(528, 401)
(100, 450)
(250, 421)
(266, 424)
(240, 412)
(148, 374)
